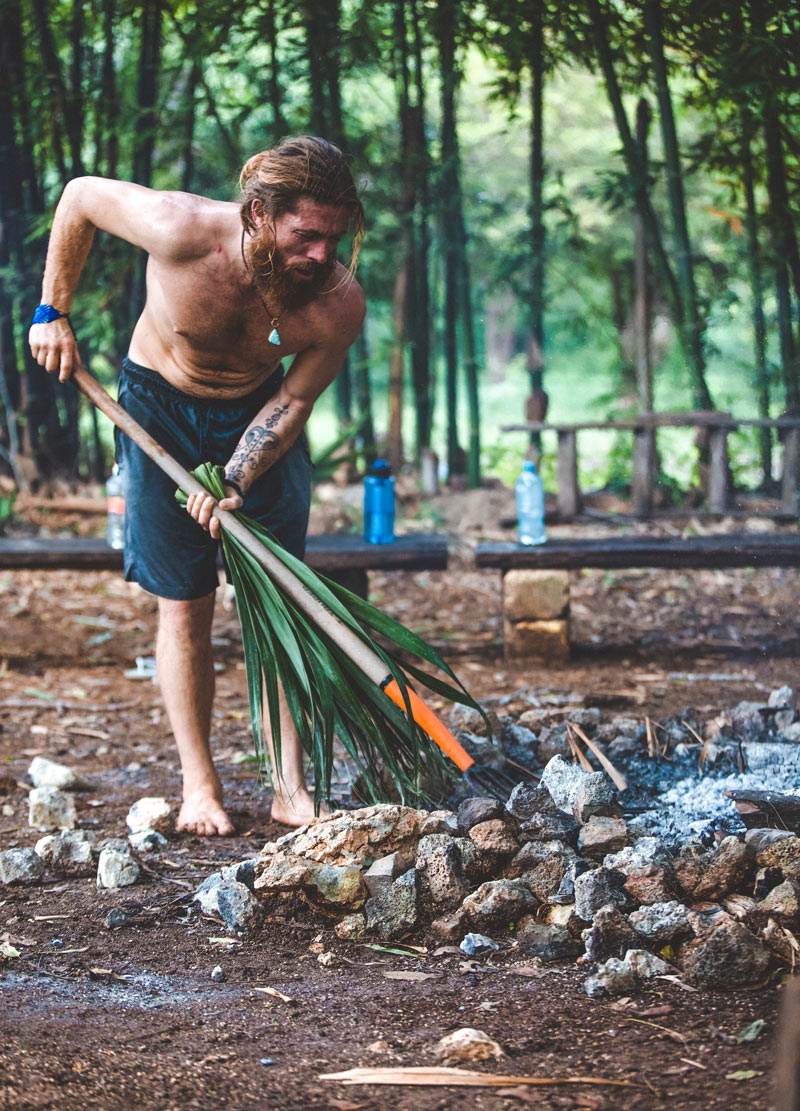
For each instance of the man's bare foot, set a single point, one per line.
(296, 809)
(202, 813)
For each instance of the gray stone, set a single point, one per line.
(635, 858)
(439, 821)
(237, 906)
(612, 978)
(21, 866)
(393, 913)
(352, 837)
(441, 867)
(662, 922)
(783, 903)
(542, 866)
(562, 780)
(596, 795)
(382, 873)
(526, 800)
(243, 871)
(472, 811)
(334, 885)
(116, 867)
(498, 902)
(151, 813)
(546, 941)
(148, 841)
(495, 838)
(550, 827)
(725, 870)
(599, 887)
(47, 773)
(478, 945)
(466, 719)
(449, 927)
(49, 808)
(749, 720)
(610, 935)
(775, 848)
(727, 956)
(553, 742)
(69, 852)
(782, 699)
(601, 836)
(206, 894)
(644, 965)
(791, 733)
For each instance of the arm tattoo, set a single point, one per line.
(255, 444)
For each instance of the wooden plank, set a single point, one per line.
(569, 494)
(330, 552)
(698, 552)
(719, 475)
(644, 470)
(700, 419)
(791, 467)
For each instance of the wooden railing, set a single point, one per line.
(644, 427)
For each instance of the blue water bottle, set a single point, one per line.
(379, 503)
(530, 506)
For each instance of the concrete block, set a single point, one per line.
(535, 595)
(547, 641)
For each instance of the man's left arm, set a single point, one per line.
(277, 425)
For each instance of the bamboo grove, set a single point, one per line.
(176, 95)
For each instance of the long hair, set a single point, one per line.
(304, 166)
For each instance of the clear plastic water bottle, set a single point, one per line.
(379, 503)
(530, 506)
(115, 522)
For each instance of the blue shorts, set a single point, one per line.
(166, 551)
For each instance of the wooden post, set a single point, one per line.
(644, 462)
(569, 494)
(791, 465)
(718, 483)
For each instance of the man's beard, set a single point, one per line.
(280, 284)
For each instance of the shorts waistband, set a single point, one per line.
(155, 381)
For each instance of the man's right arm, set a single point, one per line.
(163, 224)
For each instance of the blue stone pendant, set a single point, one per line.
(274, 337)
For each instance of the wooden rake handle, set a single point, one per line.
(360, 653)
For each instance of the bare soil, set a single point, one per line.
(94, 1017)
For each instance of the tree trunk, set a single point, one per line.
(757, 293)
(146, 94)
(279, 128)
(536, 186)
(397, 370)
(190, 114)
(106, 159)
(642, 298)
(692, 323)
(419, 328)
(363, 396)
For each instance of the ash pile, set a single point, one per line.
(681, 874)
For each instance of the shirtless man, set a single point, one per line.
(232, 290)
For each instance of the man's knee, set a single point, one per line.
(185, 619)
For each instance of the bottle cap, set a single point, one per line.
(529, 465)
(381, 468)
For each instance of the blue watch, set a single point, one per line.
(45, 314)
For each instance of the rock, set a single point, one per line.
(774, 848)
(351, 928)
(644, 965)
(116, 867)
(782, 943)
(498, 902)
(727, 956)
(237, 906)
(612, 978)
(466, 719)
(662, 922)
(148, 841)
(382, 873)
(472, 811)
(600, 836)
(596, 796)
(20, 866)
(449, 927)
(478, 945)
(353, 837)
(546, 641)
(494, 837)
(639, 856)
(562, 780)
(439, 821)
(394, 912)
(542, 865)
(653, 885)
(243, 871)
(550, 827)
(217, 974)
(783, 903)
(151, 813)
(749, 720)
(610, 935)
(526, 800)
(725, 869)
(783, 702)
(441, 867)
(50, 808)
(564, 915)
(535, 594)
(70, 852)
(467, 1044)
(547, 941)
(47, 773)
(116, 918)
(599, 887)
(334, 885)
(553, 742)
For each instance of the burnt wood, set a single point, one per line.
(767, 809)
(326, 553)
(616, 552)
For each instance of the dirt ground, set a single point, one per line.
(94, 1017)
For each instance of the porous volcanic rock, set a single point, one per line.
(610, 935)
(22, 866)
(393, 913)
(498, 902)
(356, 837)
(727, 956)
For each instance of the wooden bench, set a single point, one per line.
(343, 558)
(536, 578)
